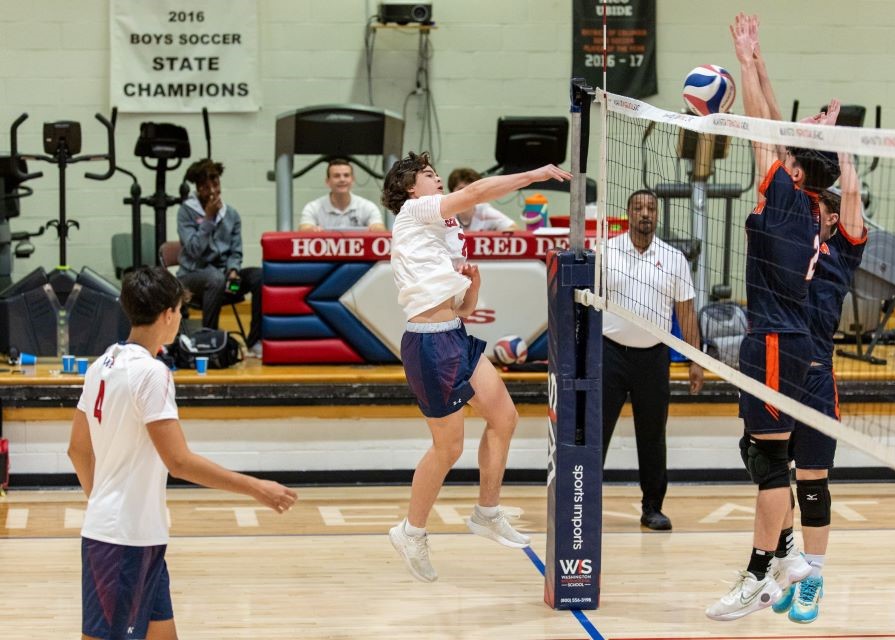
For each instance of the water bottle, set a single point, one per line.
(534, 215)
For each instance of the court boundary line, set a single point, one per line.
(578, 613)
(821, 637)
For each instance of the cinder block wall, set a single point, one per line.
(490, 58)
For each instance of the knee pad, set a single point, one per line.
(814, 502)
(767, 462)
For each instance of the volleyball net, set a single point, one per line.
(702, 172)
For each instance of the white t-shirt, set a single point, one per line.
(648, 284)
(125, 389)
(487, 218)
(360, 214)
(427, 250)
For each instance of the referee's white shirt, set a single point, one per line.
(125, 389)
(648, 284)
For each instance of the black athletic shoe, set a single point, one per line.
(655, 520)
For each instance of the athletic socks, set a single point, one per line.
(816, 562)
(414, 532)
(488, 512)
(785, 544)
(759, 563)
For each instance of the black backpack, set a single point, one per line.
(221, 349)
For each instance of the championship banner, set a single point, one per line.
(630, 45)
(183, 55)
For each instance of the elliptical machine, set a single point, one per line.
(63, 311)
(164, 143)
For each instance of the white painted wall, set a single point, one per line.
(321, 445)
(491, 58)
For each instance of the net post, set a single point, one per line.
(574, 391)
(575, 462)
(582, 96)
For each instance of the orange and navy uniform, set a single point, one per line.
(781, 255)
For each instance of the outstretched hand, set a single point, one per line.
(752, 27)
(274, 495)
(549, 172)
(827, 117)
(744, 31)
(832, 113)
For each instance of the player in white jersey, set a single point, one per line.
(125, 439)
(446, 368)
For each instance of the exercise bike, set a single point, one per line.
(63, 311)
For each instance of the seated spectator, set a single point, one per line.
(340, 209)
(211, 257)
(481, 217)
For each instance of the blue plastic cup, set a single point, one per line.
(201, 365)
(27, 358)
(82, 365)
(68, 364)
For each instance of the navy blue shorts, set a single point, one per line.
(439, 360)
(779, 361)
(809, 447)
(122, 589)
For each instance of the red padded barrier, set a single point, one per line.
(285, 301)
(327, 351)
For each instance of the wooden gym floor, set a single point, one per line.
(327, 570)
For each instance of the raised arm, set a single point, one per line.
(763, 78)
(496, 187)
(851, 209)
(754, 101)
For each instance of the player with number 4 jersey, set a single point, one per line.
(125, 439)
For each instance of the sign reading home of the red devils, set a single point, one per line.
(362, 246)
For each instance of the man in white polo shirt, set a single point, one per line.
(651, 279)
(340, 209)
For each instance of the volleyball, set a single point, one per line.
(709, 89)
(511, 350)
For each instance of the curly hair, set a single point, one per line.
(462, 175)
(401, 178)
(203, 170)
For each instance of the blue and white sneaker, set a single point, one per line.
(785, 602)
(787, 571)
(806, 604)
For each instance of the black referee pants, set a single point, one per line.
(643, 375)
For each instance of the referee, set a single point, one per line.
(651, 279)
